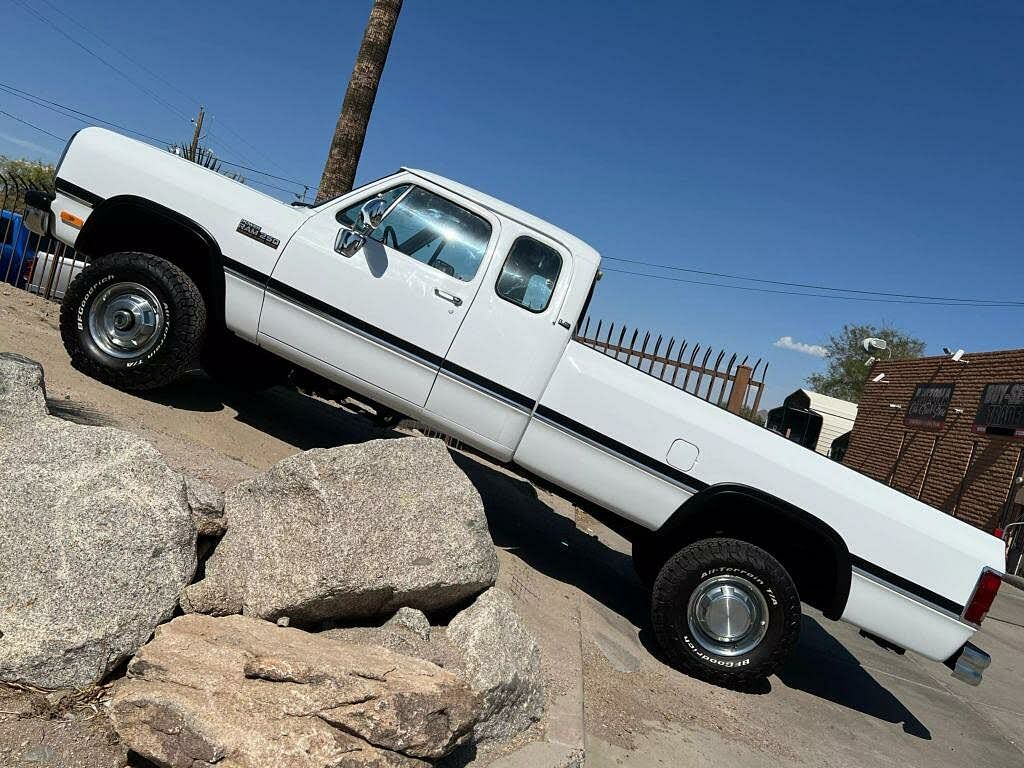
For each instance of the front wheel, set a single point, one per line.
(725, 611)
(133, 320)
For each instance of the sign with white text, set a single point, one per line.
(1001, 411)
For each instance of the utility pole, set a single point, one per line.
(195, 134)
(347, 144)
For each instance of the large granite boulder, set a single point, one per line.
(238, 692)
(96, 540)
(22, 392)
(207, 505)
(501, 660)
(354, 531)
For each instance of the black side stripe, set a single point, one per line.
(62, 185)
(322, 307)
(906, 585)
(494, 387)
(244, 270)
(621, 448)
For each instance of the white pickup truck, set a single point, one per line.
(438, 302)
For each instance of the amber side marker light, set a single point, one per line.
(984, 594)
(69, 218)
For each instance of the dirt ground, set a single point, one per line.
(840, 701)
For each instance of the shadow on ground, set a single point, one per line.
(281, 412)
(548, 542)
(822, 667)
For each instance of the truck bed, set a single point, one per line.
(641, 448)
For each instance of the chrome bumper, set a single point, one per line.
(969, 663)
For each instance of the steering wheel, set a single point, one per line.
(389, 231)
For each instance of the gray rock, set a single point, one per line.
(410, 620)
(354, 531)
(96, 544)
(238, 691)
(502, 664)
(22, 392)
(40, 753)
(207, 505)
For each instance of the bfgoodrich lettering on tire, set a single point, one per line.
(725, 611)
(133, 320)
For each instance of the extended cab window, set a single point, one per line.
(430, 229)
(529, 275)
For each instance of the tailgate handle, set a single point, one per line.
(448, 297)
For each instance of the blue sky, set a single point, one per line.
(871, 145)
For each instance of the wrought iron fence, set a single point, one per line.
(36, 263)
(684, 365)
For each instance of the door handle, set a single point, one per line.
(448, 297)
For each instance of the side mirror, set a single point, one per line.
(372, 214)
(348, 242)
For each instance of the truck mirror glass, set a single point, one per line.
(348, 242)
(372, 214)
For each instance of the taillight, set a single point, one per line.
(984, 594)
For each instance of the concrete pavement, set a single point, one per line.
(841, 700)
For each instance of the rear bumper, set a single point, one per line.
(969, 663)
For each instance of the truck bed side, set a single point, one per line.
(642, 448)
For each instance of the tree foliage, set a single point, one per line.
(205, 157)
(17, 174)
(847, 370)
(758, 417)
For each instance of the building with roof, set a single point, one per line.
(949, 431)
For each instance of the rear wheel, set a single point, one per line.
(133, 320)
(725, 611)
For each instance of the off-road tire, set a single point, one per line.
(179, 341)
(685, 571)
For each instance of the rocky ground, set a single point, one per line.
(100, 539)
(841, 701)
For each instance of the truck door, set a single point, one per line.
(386, 316)
(509, 344)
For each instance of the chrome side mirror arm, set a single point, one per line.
(349, 241)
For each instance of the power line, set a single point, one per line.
(951, 299)
(32, 125)
(86, 118)
(99, 58)
(82, 117)
(63, 14)
(249, 144)
(165, 81)
(958, 303)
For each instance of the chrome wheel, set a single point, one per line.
(125, 320)
(727, 615)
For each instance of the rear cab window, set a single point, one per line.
(529, 274)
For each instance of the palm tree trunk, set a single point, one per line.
(347, 144)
